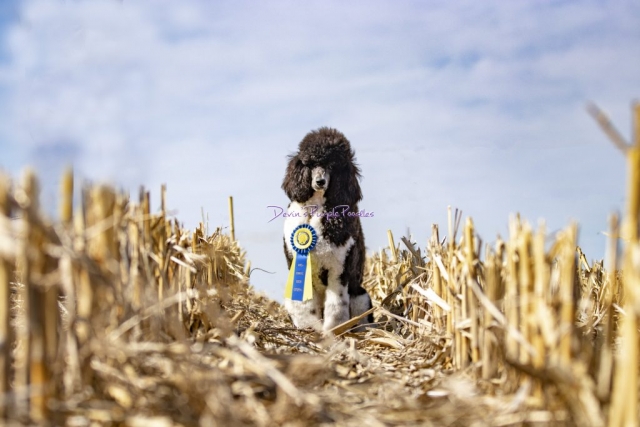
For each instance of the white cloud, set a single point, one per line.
(475, 104)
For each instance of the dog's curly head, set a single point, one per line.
(324, 162)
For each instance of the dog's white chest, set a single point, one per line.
(311, 212)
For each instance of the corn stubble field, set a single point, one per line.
(115, 315)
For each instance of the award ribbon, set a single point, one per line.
(299, 286)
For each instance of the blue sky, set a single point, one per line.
(477, 105)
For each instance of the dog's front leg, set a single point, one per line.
(336, 304)
(304, 314)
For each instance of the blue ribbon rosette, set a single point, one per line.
(299, 286)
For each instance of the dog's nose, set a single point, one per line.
(320, 182)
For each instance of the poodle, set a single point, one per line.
(321, 181)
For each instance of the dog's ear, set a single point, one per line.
(297, 180)
(344, 186)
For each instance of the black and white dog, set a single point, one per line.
(322, 183)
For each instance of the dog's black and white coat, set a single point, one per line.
(322, 177)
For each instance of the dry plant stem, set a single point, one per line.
(84, 291)
(488, 353)
(23, 353)
(540, 289)
(606, 356)
(471, 303)
(232, 228)
(392, 247)
(162, 242)
(346, 326)
(459, 339)
(567, 269)
(50, 315)
(511, 294)
(451, 298)
(435, 273)
(66, 197)
(608, 128)
(72, 378)
(135, 285)
(6, 270)
(38, 374)
(624, 405)
(524, 277)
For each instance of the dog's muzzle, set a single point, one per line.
(319, 179)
